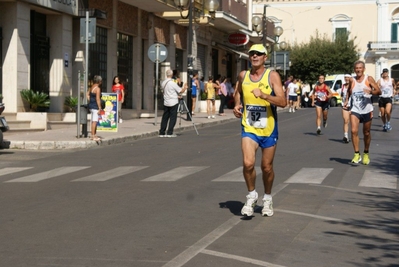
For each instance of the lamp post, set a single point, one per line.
(278, 31)
(260, 25)
(211, 6)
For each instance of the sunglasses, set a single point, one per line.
(252, 53)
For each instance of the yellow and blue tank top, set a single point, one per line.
(259, 116)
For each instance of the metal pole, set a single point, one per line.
(84, 126)
(285, 64)
(190, 60)
(264, 27)
(78, 107)
(156, 82)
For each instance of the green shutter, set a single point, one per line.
(394, 32)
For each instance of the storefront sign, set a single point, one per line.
(238, 38)
(66, 6)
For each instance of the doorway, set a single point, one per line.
(40, 54)
(125, 67)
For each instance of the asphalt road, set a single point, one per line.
(177, 201)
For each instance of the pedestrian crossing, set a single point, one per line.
(369, 178)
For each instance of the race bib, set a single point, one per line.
(256, 116)
(322, 96)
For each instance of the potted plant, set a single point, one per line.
(71, 104)
(36, 100)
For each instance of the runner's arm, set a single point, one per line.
(375, 87)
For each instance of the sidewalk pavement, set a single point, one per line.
(129, 130)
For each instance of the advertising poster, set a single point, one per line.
(108, 117)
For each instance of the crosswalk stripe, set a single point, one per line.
(174, 174)
(379, 179)
(309, 176)
(110, 174)
(6, 171)
(47, 174)
(234, 176)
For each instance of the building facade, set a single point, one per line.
(42, 48)
(374, 24)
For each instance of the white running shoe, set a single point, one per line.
(267, 207)
(248, 209)
(120, 120)
(213, 117)
(209, 117)
(388, 127)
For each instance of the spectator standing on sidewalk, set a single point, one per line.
(195, 87)
(321, 93)
(94, 97)
(387, 86)
(262, 92)
(210, 98)
(222, 92)
(171, 95)
(119, 89)
(361, 89)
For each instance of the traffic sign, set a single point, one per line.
(157, 53)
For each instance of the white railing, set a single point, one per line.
(383, 46)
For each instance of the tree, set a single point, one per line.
(323, 56)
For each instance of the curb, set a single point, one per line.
(84, 144)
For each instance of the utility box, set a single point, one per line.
(83, 114)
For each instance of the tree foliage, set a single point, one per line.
(323, 56)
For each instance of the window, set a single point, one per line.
(98, 57)
(341, 24)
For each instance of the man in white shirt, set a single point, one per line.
(171, 96)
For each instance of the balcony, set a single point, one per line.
(383, 46)
(231, 16)
(152, 6)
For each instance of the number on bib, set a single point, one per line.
(256, 116)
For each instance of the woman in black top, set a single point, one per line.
(94, 98)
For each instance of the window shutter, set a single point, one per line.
(394, 32)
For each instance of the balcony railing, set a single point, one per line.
(383, 46)
(236, 9)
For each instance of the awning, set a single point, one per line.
(239, 53)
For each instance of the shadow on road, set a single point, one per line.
(379, 231)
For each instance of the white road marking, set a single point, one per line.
(309, 176)
(310, 215)
(379, 179)
(200, 245)
(110, 174)
(239, 258)
(175, 174)
(6, 171)
(234, 176)
(47, 175)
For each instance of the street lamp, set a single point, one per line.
(278, 31)
(209, 5)
(260, 25)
